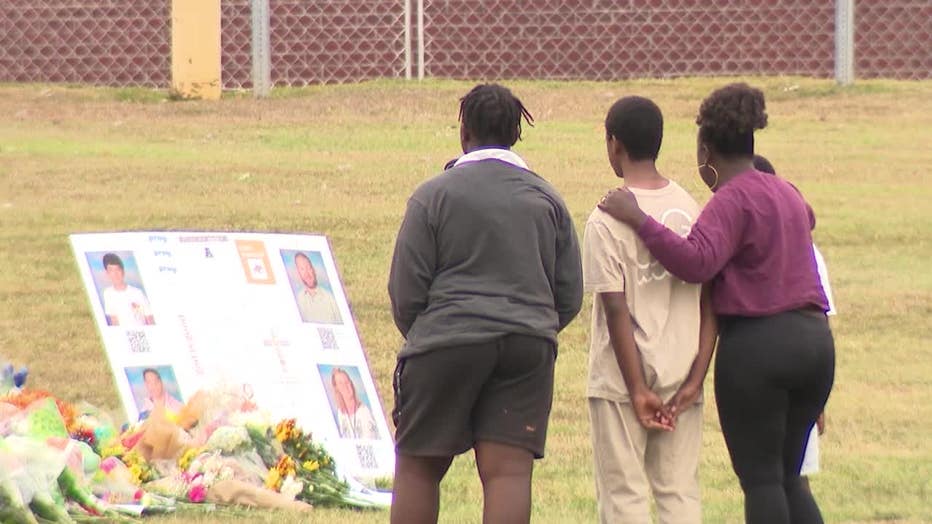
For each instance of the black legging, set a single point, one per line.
(773, 376)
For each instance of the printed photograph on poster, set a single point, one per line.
(119, 288)
(311, 286)
(349, 402)
(233, 317)
(153, 386)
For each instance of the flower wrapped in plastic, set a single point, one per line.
(13, 508)
(39, 417)
(140, 470)
(223, 405)
(115, 483)
(229, 440)
(36, 471)
(92, 426)
(304, 462)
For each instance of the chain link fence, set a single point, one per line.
(611, 39)
(127, 42)
(893, 39)
(316, 41)
(107, 42)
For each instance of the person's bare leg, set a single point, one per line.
(505, 472)
(416, 490)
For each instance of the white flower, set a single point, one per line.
(208, 478)
(291, 487)
(226, 473)
(228, 439)
(256, 418)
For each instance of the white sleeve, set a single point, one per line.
(823, 277)
(602, 264)
(144, 302)
(108, 302)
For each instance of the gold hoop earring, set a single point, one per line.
(710, 166)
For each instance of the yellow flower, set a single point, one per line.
(284, 429)
(132, 457)
(115, 449)
(136, 472)
(273, 479)
(311, 465)
(285, 466)
(185, 461)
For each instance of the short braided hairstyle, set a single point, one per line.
(492, 114)
(729, 116)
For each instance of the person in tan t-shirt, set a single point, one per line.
(646, 363)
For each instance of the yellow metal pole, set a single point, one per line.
(196, 49)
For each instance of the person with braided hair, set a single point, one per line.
(775, 364)
(486, 271)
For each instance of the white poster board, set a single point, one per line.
(190, 310)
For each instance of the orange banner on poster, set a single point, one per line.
(255, 261)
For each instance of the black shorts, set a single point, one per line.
(499, 391)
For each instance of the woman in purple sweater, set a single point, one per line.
(776, 356)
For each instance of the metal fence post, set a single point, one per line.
(261, 49)
(844, 42)
(407, 39)
(420, 39)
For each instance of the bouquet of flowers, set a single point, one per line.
(297, 464)
(60, 462)
(140, 470)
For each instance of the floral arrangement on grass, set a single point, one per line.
(303, 466)
(60, 462)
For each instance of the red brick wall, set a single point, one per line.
(126, 42)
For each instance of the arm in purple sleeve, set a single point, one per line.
(713, 240)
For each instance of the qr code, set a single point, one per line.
(328, 340)
(366, 456)
(138, 343)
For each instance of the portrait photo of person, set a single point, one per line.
(311, 286)
(154, 386)
(349, 402)
(122, 295)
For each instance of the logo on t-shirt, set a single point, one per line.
(649, 270)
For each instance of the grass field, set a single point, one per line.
(342, 160)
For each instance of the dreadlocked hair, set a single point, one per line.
(493, 115)
(729, 116)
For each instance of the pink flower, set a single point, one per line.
(107, 464)
(197, 493)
